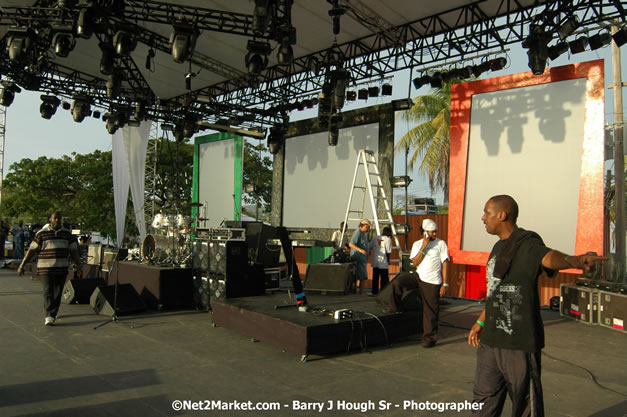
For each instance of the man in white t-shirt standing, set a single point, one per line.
(430, 256)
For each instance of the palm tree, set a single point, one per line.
(431, 138)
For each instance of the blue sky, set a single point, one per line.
(30, 136)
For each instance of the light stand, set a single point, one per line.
(114, 317)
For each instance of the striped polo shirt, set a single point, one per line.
(54, 248)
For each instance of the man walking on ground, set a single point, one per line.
(54, 244)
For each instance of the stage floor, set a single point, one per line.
(141, 365)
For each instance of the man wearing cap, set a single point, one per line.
(430, 256)
(359, 252)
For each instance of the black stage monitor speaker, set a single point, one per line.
(330, 279)
(128, 301)
(79, 291)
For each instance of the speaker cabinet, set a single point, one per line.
(330, 279)
(103, 300)
(78, 291)
(200, 256)
(228, 257)
(411, 300)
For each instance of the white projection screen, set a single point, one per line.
(538, 139)
(218, 170)
(318, 177)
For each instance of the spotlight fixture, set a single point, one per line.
(107, 61)
(314, 65)
(81, 108)
(7, 93)
(558, 49)
(95, 114)
(66, 106)
(48, 106)
(167, 127)
(402, 104)
(275, 139)
(85, 23)
(188, 80)
(63, 43)
(351, 95)
(285, 54)
(436, 80)
(334, 128)
(190, 127)
(477, 70)
(124, 43)
(149, 59)
(538, 51)
(579, 45)
(257, 56)
(140, 110)
(420, 81)
(620, 37)
(324, 106)
(362, 94)
(134, 123)
(339, 80)
(599, 40)
(260, 17)
(336, 12)
(66, 4)
(498, 64)
(386, 89)
(373, 91)
(400, 181)
(568, 27)
(18, 42)
(183, 42)
(114, 84)
(110, 123)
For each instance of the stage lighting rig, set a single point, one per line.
(124, 43)
(336, 13)
(63, 43)
(339, 80)
(85, 23)
(599, 40)
(324, 105)
(477, 70)
(183, 41)
(538, 50)
(66, 4)
(568, 27)
(107, 60)
(436, 80)
(261, 17)
(285, 54)
(620, 37)
(7, 93)
(558, 49)
(579, 45)
(402, 104)
(48, 106)
(498, 64)
(19, 40)
(386, 89)
(190, 126)
(114, 84)
(276, 137)
(420, 81)
(81, 108)
(334, 128)
(257, 56)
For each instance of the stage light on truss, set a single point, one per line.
(66, 106)
(134, 123)
(351, 95)
(362, 94)
(498, 64)
(538, 50)
(260, 17)
(124, 42)
(402, 104)
(7, 93)
(402, 229)
(334, 129)
(373, 91)
(63, 43)
(285, 54)
(257, 57)
(557, 50)
(81, 108)
(386, 89)
(620, 37)
(48, 106)
(568, 27)
(66, 4)
(114, 84)
(85, 23)
(167, 127)
(190, 127)
(314, 65)
(477, 70)
(275, 139)
(107, 60)
(140, 110)
(599, 40)
(436, 80)
(447, 76)
(579, 45)
(18, 42)
(339, 80)
(420, 81)
(188, 80)
(110, 123)
(400, 181)
(182, 42)
(95, 114)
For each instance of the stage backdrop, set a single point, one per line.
(538, 139)
(318, 177)
(218, 176)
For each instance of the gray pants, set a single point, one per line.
(507, 371)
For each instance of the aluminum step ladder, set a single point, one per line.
(373, 189)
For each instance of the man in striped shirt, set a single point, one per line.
(54, 245)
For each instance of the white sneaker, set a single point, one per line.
(49, 321)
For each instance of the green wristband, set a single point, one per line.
(481, 323)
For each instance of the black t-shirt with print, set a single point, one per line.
(512, 308)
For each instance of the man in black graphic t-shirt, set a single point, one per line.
(509, 331)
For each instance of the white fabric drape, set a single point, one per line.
(130, 145)
(120, 183)
(136, 145)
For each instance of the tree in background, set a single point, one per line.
(431, 138)
(175, 168)
(258, 172)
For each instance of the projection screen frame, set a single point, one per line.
(238, 169)
(589, 234)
